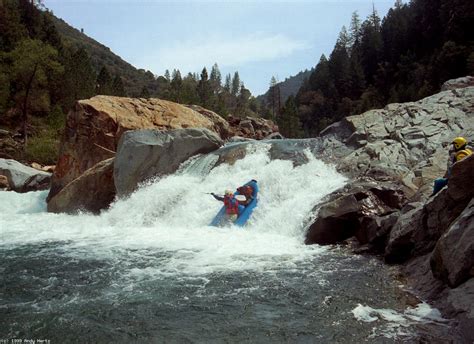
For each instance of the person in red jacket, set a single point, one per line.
(231, 206)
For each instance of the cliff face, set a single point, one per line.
(393, 156)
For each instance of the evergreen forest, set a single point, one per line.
(403, 57)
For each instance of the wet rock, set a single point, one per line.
(93, 191)
(336, 221)
(461, 306)
(274, 136)
(357, 210)
(144, 154)
(234, 139)
(453, 257)
(22, 178)
(288, 149)
(229, 154)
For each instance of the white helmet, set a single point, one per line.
(228, 192)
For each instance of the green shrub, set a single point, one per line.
(43, 147)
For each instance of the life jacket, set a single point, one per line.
(462, 154)
(231, 205)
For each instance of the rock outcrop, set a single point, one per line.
(365, 209)
(453, 257)
(93, 191)
(250, 127)
(22, 178)
(406, 145)
(143, 154)
(406, 142)
(417, 232)
(94, 127)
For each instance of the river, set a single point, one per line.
(150, 269)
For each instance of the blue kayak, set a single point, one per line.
(244, 213)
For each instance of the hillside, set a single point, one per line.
(288, 87)
(134, 79)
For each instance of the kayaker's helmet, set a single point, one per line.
(459, 143)
(228, 192)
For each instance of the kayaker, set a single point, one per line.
(231, 206)
(249, 190)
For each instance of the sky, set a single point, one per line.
(259, 39)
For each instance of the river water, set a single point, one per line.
(150, 269)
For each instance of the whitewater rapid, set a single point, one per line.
(172, 214)
(151, 268)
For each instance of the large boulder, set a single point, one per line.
(22, 178)
(453, 257)
(95, 126)
(93, 191)
(363, 208)
(143, 154)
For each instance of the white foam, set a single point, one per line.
(172, 215)
(396, 324)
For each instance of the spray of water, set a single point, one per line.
(171, 216)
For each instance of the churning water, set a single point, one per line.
(150, 269)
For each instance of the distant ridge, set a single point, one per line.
(290, 86)
(134, 79)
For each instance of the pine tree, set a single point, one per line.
(215, 79)
(104, 82)
(354, 35)
(204, 88)
(79, 78)
(289, 122)
(242, 101)
(275, 97)
(144, 93)
(190, 85)
(117, 87)
(167, 75)
(228, 83)
(176, 86)
(235, 86)
(33, 64)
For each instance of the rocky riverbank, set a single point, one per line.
(393, 156)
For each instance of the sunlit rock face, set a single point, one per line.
(94, 127)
